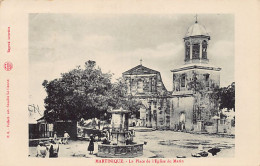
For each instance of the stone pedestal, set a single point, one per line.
(118, 147)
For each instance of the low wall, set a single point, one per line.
(221, 129)
(122, 151)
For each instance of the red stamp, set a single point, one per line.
(8, 66)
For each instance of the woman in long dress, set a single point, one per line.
(91, 144)
(54, 150)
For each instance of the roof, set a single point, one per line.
(199, 66)
(196, 30)
(42, 118)
(33, 118)
(140, 69)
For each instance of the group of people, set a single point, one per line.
(51, 147)
(44, 149)
(63, 140)
(106, 137)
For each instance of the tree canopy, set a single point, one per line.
(225, 96)
(85, 93)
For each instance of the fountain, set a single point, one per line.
(120, 147)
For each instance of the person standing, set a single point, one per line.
(110, 134)
(107, 134)
(54, 150)
(55, 137)
(91, 144)
(66, 137)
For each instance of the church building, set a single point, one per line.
(189, 105)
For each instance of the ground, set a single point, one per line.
(160, 144)
(169, 144)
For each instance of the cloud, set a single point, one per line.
(221, 49)
(162, 58)
(97, 40)
(117, 43)
(221, 54)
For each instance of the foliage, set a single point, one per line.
(119, 98)
(84, 93)
(221, 97)
(225, 96)
(196, 85)
(228, 97)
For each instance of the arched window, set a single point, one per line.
(206, 77)
(183, 77)
(128, 86)
(173, 77)
(140, 85)
(204, 49)
(195, 51)
(187, 51)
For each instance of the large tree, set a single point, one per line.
(227, 97)
(119, 98)
(84, 93)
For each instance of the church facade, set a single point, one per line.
(189, 106)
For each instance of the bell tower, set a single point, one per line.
(196, 43)
(196, 73)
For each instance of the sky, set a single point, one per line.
(117, 42)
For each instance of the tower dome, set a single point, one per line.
(196, 30)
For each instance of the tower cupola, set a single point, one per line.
(196, 43)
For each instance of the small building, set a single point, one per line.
(32, 124)
(46, 129)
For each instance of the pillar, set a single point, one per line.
(171, 115)
(152, 115)
(121, 122)
(200, 50)
(149, 118)
(158, 115)
(130, 86)
(190, 50)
